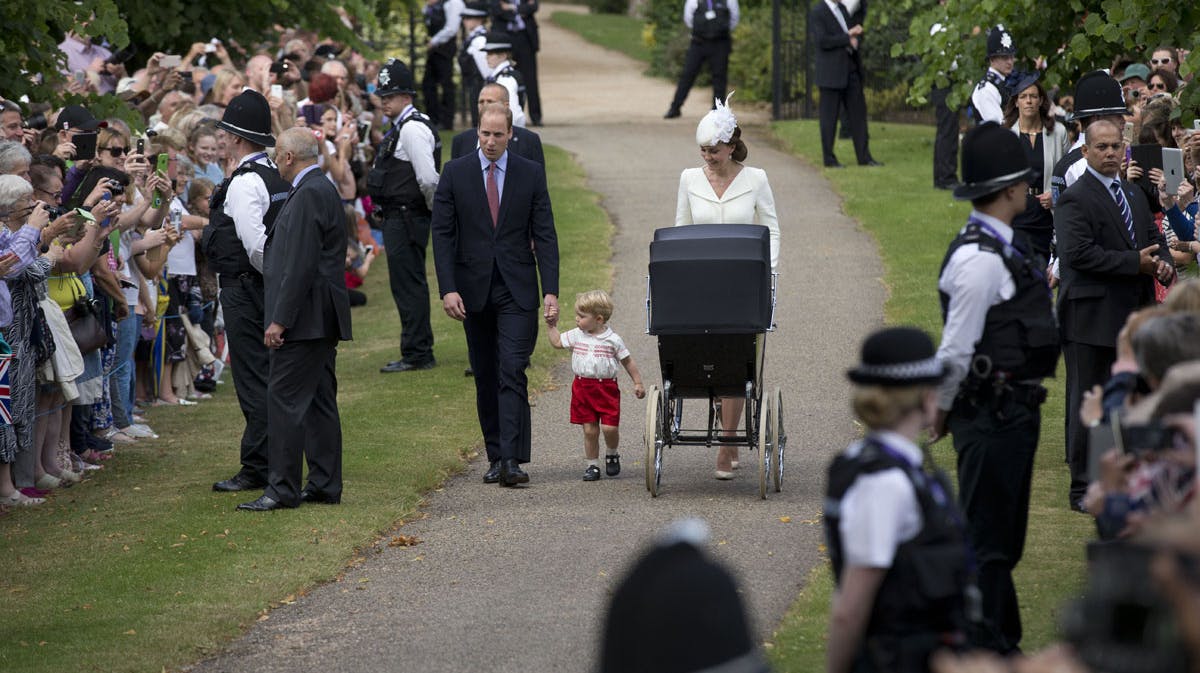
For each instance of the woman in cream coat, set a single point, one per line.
(725, 191)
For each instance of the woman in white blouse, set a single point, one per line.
(726, 191)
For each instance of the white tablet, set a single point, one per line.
(1172, 161)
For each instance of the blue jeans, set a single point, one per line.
(121, 383)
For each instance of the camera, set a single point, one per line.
(55, 212)
(36, 122)
(115, 188)
(1153, 436)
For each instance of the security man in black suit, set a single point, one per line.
(518, 20)
(307, 311)
(999, 341)
(524, 143)
(493, 237)
(712, 23)
(839, 74)
(442, 19)
(243, 209)
(1110, 255)
(472, 61)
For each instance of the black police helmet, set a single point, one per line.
(1000, 42)
(992, 159)
(248, 116)
(394, 78)
(1097, 94)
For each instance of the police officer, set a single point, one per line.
(442, 19)
(471, 59)
(712, 23)
(517, 19)
(990, 95)
(498, 49)
(243, 210)
(401, 184)
(999, 340)
(895, 538)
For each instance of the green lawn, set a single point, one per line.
(913, 224)
(144, 567)
(611, 31)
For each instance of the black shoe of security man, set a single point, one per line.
(313, 497)
(673, 113)
(511, 473)
(264, 504)
(238, 482)
(493, 473)
(402, 366)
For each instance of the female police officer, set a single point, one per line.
(894, 535)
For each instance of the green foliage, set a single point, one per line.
(1092, 32)
(750, 61)
(608, 6)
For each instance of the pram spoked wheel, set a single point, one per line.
(766, 426)
(779, 440)
(654, 439)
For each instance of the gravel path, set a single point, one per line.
(518, 580)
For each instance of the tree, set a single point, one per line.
(1073, 36)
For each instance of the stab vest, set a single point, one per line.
(220, 241)
(1020, 335)
(435, 20)
(466, 62)
(1058, 179)
(716, 28)
(391, 182)
(1001, 86)
(510, 71)
(924, 591)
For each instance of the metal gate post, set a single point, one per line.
(776, 69)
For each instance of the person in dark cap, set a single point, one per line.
(242, 210)
(74, 120)
(1110, 255)
(498, 49)
(442, 19)
(894, 535)
(401, 184)
(472, 60)
(999, 341)
(678, 611)
(990, 95)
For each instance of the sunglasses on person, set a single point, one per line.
(1160, 86)
(115, 151)
(1160, 61)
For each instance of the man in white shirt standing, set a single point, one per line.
(442, 21)
(243, 209)
(712, 23)
(999, 341)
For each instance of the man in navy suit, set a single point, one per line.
(1110, 255)
(839, 75)
(492, 223)
(523, 143)
(307, 311)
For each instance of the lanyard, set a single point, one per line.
(1010, 249)
(255, 158)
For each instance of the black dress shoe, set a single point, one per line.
(834, 164)
(952, 185)
(673, 113)
(264, 504)
(871, 162)
(468, 372)
(319, 498)
(511, 473)
(493, 473)
(238, 483)
(402, 366)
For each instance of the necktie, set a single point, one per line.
(493, 194)
(1126, 214)
(841, 15)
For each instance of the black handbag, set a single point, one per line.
(84, 321)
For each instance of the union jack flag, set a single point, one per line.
(5, 390)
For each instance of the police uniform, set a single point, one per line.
(507, 76)
(999, 340)
(991, 93)
(243, 209)
(472, 61)
(401, 184)
(884, 511)
(522, 30)
(442, 19)
(712, 23)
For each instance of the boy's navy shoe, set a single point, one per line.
(592, 473)
(612, 464)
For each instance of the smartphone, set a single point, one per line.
(319, 134)
(1196, 124)
(80, 76)
(162, 167)
(277, 91)
(170, 61)
(368, 249)
(85, 146)
(141, 146)
(364, 130)
(210, 48)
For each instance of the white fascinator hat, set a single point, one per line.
(718, 125)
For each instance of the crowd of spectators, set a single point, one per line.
(107, 304)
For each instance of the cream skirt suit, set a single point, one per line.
(748, 200)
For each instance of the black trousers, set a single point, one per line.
(406, 238)
(500, 339)
(852, 98)
(437, 86)
(472, 87)
(526, 59)
(242, 304)
(945, 143)
(1087, 366)
(713, 52)
(302, 412)
(996, 444)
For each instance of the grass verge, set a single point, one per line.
(913, 224)
(145, 568)
(612, 31)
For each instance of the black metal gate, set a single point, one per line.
(791, 90)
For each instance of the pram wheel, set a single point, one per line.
(766, 419)
(779, 438)
(654, 440)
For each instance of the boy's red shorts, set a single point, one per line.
(595, 400)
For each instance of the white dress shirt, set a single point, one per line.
(453, 9)
(416, 147)
(247, 201)
(879, 512)
(976, 281)
(689, 11)
(987, 99)
(837, 13)
(747, 200)
(475, 42)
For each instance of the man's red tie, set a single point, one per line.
(493, 194)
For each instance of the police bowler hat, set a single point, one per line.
(394, 78)
(899, 356)
(1097, 94)
(1000, 42)
(475, 9)
(248, 116)
(992, 159)
(497, 40)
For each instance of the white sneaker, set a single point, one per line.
(140, 431)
